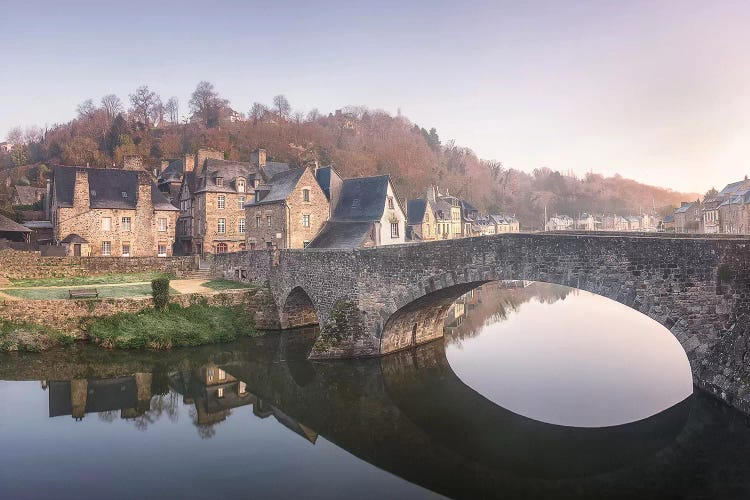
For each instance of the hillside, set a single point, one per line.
(357, 141)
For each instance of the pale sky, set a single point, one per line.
(656, 91)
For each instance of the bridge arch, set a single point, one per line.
(298, 309)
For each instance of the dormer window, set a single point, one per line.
(124, 194)
(240, 185)
(93, 192)
(355, 203)
(220, 181)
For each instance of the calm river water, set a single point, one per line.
(537, 392)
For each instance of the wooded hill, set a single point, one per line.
(356, 140)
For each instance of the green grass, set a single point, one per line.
(222, 284)
(105, 292)
(174, 327)
(20, 336)
(104, 279)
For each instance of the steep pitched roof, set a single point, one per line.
(341, 234)
(415, 210)
(274, 167)
(733, 187)
(362, 199)
(108, 188)
(173, 172)
(9, 226)
(279, 187)
(28, 195)
(684, 208)
(323, 176)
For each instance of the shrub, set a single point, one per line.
(160, 292)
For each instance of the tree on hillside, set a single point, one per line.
(258, 112)
(206, 105)
(15, 136)
(172, 108)
(711, 192)
(281, 106)
(86, 109)
(313, 115)
(112, 105)
(142, 104)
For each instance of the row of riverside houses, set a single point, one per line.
(203, 203)
(604, 222)
(727, 211)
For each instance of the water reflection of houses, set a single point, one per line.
(215, 393)
(130, 395)
(467, 303)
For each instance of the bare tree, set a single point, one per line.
(313, 115)
(33, 134)
(281, 106)
(172, 109)
(157, 112)
(206, 105)
(86, 109)
(112, 105)
(142, 104)
(258, 112)
(15, 136)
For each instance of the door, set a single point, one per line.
(77, 250)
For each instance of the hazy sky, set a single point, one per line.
(657, 91)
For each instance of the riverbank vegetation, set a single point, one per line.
(224, 284)
(175, 326)
(105, 292)
(28, 337)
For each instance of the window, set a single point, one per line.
(269, 245)
(305, 243)
(126, 249)
(221, 248)
(390, 202)
(210, 375)
(126, 224)
(394, 230)
(124, 194)
(220, 392)
(305, 195)
(220, 181)
(162, 225)
(241, 225)
(242, 389)
(240, 185)
(162, 249)
(252, 245)
(243, 247)
(355, 203)
(257, 196)
(268, 220)
(306, 220)
(106, 223)
(240, 202)
(221, 227)
(257, 221)
(220, 201)
(106, 248)
(222, 374)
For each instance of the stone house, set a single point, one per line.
(687, 218)
(287, 211)
(710, 222)
(614, 222)
(111, 212)
(634, 222)
(505, 224)
(585, 222)
(13, 231)
(667, 224)
(559, 223)
(727, 203)
(421, 221)
(485, 226)
(447, 210)
(212, 199)
(368, 213)
(469, 218)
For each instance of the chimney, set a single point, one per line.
(189, 163)
(81, 193)
(47, 200)
(203, 154)
(132, 162)
(258, 157)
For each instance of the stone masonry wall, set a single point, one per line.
(19, 265)
(699, 288)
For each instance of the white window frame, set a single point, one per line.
(257, 221)
(163, 225)
(159, 246)
(106, 248)
(268, 220)
(127, 224)
(306, 220)
(221, 226)
(241, 225)
(240, 186)
(221, 202)
(240, 202)
(106, 223)
(124, 244)
(394, 230)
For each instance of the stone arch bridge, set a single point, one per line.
(375, 301)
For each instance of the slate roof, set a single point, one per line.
(733, 187)
(106, 188)
(279, 187)
(323, 176)
(668, 219)
(362, 199)
(442, 206)
(28, 195)
(684, 208)
(173, 172)
(38, 224)
(274, 167)
(503, 219)
(74, 238)
(341, 234)
(415, 210)
(9, 226)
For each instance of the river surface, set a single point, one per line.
(540, 391)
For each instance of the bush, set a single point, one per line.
(160, 292)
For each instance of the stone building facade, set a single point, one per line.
(111, 212)
(212, 198)
(421, 220)
(286, 212)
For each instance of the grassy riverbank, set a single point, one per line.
(105, 292)
(176, 326)
(108, 279)
(19, 336)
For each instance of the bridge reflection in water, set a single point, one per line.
(408, 414)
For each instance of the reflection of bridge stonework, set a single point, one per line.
(375, 301)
